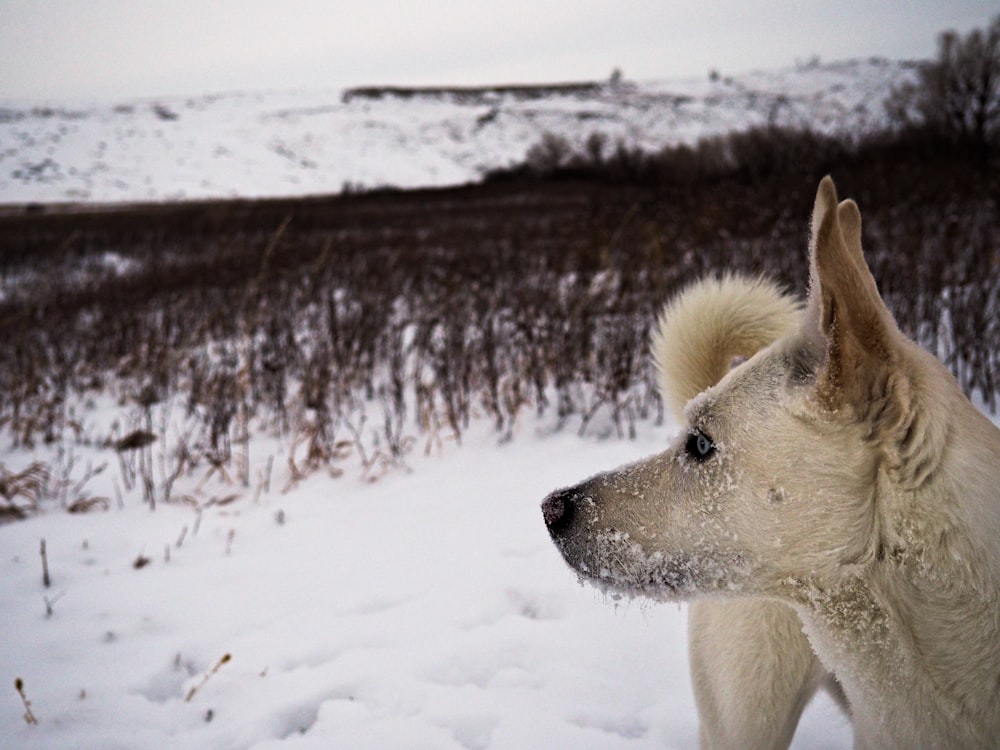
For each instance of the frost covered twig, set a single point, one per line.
(29, 717)
(46, 581)
(218, 665)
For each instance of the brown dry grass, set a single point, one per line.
(357, 320)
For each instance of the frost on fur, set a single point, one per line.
(621, 567)
(710, 323)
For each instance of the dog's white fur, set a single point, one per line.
(844, 476)
(752, 669)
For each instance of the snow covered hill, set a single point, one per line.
(308, 142)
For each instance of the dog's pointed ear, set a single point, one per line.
(845, 309)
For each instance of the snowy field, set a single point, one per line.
(427, 609)
(306, 142)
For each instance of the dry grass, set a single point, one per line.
(21, 492)
(369, 325)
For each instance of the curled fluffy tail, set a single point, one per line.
(711, 322)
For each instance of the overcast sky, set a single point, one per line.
(87, 49)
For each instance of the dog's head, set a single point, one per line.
(777, 475)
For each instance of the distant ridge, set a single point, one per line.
(298, 142)
(474, 93)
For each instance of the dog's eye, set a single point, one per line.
(699, 445)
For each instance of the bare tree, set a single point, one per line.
(956, 96)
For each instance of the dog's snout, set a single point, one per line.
(558, 509)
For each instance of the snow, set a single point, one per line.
(306, 142)
(427, 609)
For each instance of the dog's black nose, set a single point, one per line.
(558, 509)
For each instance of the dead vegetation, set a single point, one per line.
(21, 491)
(373, 325)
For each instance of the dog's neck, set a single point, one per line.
(939, 485)
(931, 596)
(903, 624)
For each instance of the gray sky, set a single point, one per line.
(85, 49)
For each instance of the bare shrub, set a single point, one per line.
(549, 154)
(368, 325)
(957, 95)
(22, 491)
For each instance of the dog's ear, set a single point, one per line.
(845, 309)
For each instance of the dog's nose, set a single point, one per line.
(558, 509)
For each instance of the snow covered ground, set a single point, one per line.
(427, 609)
(307, 142)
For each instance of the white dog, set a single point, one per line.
(837, 482)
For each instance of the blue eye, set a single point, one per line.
(699, 446)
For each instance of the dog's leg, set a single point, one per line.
(753, 672)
